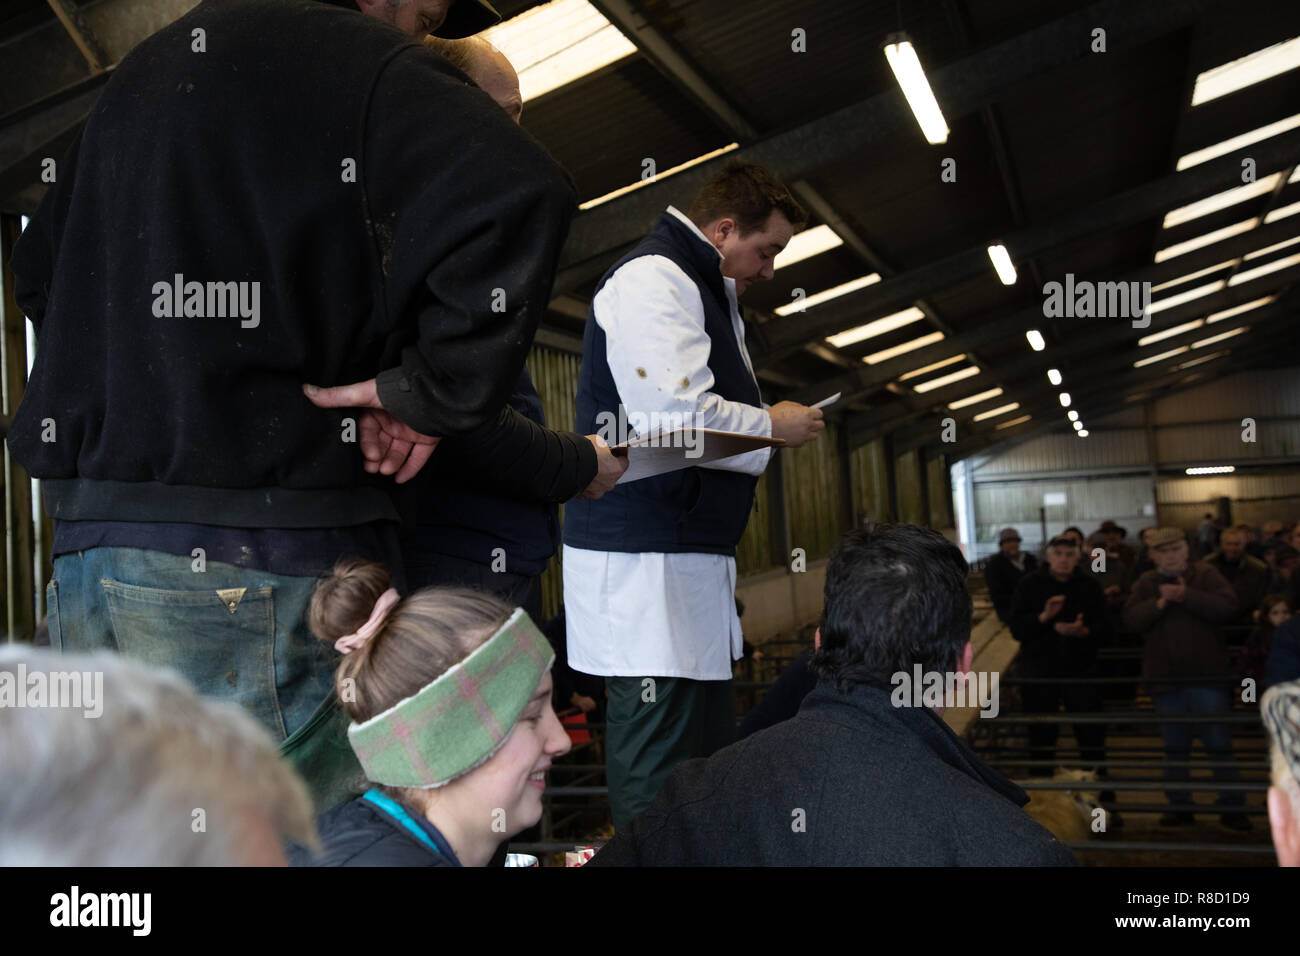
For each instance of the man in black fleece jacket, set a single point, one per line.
(270, 193)
(1058, 614)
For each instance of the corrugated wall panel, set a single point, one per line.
(1061, 452)
(1199, 425)
(1223, 442)
(1237, 487)
(1088, 502)
(1254, 498)
(1263, 392)
(1132, 416)
(1259, 394)
(870, 481)
(555, 376)
(1183, 503)
(754, 552)
(907, 474)
(940, 496)
(813, 497)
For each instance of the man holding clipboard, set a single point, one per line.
(649, 569)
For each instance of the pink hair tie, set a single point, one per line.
(350, 642)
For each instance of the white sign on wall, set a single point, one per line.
(1051, 498)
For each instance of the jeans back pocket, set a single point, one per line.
(222, 643)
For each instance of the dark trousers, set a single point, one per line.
(424, 569)
(1216, 737)
(653, 724)
(1078, 699)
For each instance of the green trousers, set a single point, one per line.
(653, 724)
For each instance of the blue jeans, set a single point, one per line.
(252, 648)
(1217, 739)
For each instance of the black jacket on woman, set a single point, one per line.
(375, 831)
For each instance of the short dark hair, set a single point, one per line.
(748, 193)
(1082, 536)
(895, 597)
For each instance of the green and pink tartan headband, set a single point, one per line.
(460, 719)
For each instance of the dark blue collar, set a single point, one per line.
(698, 251)
(416, 826)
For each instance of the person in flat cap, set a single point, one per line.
(1280, 709)
(1178, 608)
(1116, 549)
(1004, 570)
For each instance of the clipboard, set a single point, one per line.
(664, 452)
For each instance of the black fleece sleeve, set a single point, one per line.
(1095, 616)
(468, 213)
(1023, 618)
(998, 576)
(35, 251)
(514, 456)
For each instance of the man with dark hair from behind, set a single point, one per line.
(854, 778)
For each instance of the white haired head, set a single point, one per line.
(160, 777)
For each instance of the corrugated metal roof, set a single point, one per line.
(604, 125)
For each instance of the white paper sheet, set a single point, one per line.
(685, 448)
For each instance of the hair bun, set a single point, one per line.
(342, 602)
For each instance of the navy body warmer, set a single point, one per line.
(695, 509)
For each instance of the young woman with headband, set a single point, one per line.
(449, 691)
